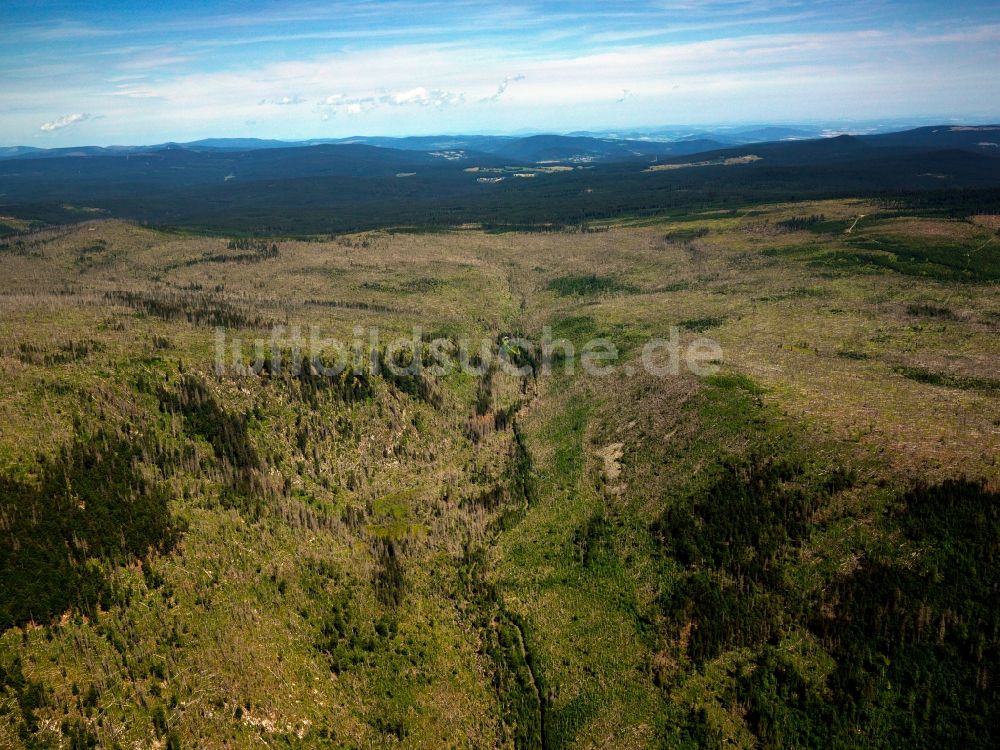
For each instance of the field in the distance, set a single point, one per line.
(798, 550)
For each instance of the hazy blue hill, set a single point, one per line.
(483, 143)
(540, 148)
(27, 152)
(816, 151)
(978, 138)
(329, 160)
(94, 175)
(547, 147)
(685, 147)
(299, 188)
(557, 147)
(527, 149)
(13, 152)
(205, 144)
(239, 144)
(769, 133)
(856, 148)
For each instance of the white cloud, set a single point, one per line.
(418, 96)
(282, 101)
(349, 105)
(64, 122)
(424, 98)
(502, 88)
(811, 73)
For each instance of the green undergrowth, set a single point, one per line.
(562, 577)
(88, 509)
(974, 261)
(591, 284)
(948, 380)
(756, 546)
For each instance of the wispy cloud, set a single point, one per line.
(502, 88)
(64, 122)
(68, 31)
(282, 101)
(418, 96)
(451, 64)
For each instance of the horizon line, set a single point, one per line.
(632, 132)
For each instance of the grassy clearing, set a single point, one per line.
(922, 375)
(559, 571)
(591, 284)
(949, 251)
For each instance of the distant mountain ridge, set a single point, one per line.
(273, 187)
(530, 148)
(578, 147)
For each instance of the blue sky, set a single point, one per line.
(114, 72)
